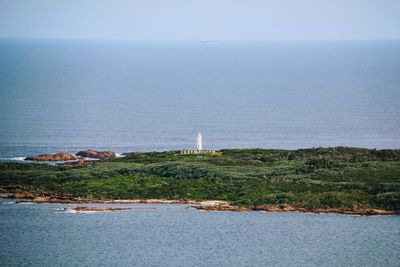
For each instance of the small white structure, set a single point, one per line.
(199, 148)
(199, 141)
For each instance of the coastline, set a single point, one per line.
(203, 205)
(344, 180)
(29, 197)
(290, 208)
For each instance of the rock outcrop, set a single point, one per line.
(60, 156)
(221, 208)
(91, 153)
(277, 208)
(288, 208)
(93, 209)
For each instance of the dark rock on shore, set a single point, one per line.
(91, 153)
(221, 208)
(61, 156)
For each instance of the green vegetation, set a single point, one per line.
(311, 178)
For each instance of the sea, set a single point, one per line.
(176, 235)
(156, 95)
(137, 95)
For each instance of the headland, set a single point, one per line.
(320, 180)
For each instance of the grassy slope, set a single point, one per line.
(324, 177)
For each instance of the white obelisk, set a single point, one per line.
(199, 141)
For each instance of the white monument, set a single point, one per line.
(199, 141)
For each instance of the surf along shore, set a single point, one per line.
(319, 180)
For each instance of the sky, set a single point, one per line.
(197, 19)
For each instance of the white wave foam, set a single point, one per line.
(80, 212)
(69, 211)
(73, 211)
(14, 159)
(19, 158)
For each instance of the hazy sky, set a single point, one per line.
(188, 19)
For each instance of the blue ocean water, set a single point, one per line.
(172, 235)
(156, 95)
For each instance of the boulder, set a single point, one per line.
(61, 156)
(91, 153)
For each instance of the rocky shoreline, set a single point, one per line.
(206, 205)
(289, 208)
(44, 198)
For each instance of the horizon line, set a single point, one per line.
(197, 39)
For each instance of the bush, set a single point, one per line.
(390, 200)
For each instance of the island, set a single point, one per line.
(337, 179)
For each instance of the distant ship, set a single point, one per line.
(205, 41)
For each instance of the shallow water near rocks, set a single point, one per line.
(175, 235)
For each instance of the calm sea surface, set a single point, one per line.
(128, 96)
(173, 235)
